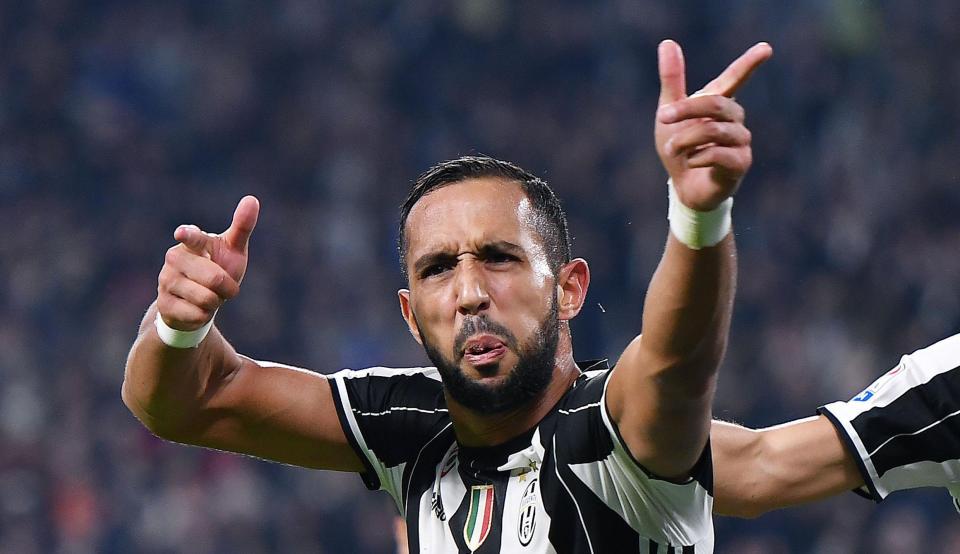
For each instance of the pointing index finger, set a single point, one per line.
(737, 73)
(194, 239)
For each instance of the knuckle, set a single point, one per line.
(172, 255)
(217, 280)
(738, 112)
(196, 318)
(165, 278)
(210, 302)
(715, 129)
(230, 289)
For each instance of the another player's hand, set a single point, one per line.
(701, 139)
(205, 269)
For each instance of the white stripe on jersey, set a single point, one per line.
(915, 369)
(579, 408)
(917, 432)
(341, 391)
(392, 409)
(922, 474)
(578, 456)
(430, 372)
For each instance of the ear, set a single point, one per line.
(407, 311)
(573, 280)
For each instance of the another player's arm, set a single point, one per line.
(661, 393)
(861, 443)
(756, 471)
(211, 395)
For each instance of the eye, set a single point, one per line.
(501, 258)
(435, 269)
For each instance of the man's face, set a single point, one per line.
(482, 298)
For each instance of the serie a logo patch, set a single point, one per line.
(480, 516)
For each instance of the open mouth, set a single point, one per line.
(483, 350)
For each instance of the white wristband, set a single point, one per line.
(698, 229)
(175, 338)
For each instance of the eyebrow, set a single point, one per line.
(441, 255)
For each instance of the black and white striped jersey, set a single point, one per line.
(569, 485)
(904, 429)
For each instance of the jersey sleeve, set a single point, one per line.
(904, 429)
(387, 415)
(673, 515)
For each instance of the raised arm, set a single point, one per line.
(211, 396)
(661, 393)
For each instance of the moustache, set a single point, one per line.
(482, 325)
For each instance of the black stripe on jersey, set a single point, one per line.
(410, 402)
(580, 509)
(368, 475)
(418, 477)
(919, 425)
(852, 450)
(592, 391)
(580, 417)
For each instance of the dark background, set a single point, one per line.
(120, 120)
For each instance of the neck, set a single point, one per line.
(479, 429)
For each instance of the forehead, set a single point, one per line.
(470, 213)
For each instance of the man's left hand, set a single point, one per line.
(701, 139)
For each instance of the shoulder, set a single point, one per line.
(429, 373)
(580, 433)
(377, 386)
(587, 390)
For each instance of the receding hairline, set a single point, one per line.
(465, 181)
(549, 219)
(533, 220)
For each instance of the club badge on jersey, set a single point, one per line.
(528, 514)
(480, 517)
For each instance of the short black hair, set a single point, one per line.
(551, 221)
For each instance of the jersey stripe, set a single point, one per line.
(586, 532)
(927, 426)
(398, 422)
(904, 429)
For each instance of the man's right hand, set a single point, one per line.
(205, 270)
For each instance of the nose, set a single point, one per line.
(472, 295)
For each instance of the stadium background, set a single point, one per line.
(121, 119)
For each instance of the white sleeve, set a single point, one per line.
(904, 429)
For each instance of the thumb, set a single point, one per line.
(245, 217)
(198, 242)
(673, 80)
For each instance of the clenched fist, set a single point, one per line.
(701, 139)
(205, 270)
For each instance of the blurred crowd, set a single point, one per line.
(120, 119)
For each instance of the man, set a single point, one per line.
(901, 432)
(507, 444)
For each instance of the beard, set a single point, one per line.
(529, 378)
